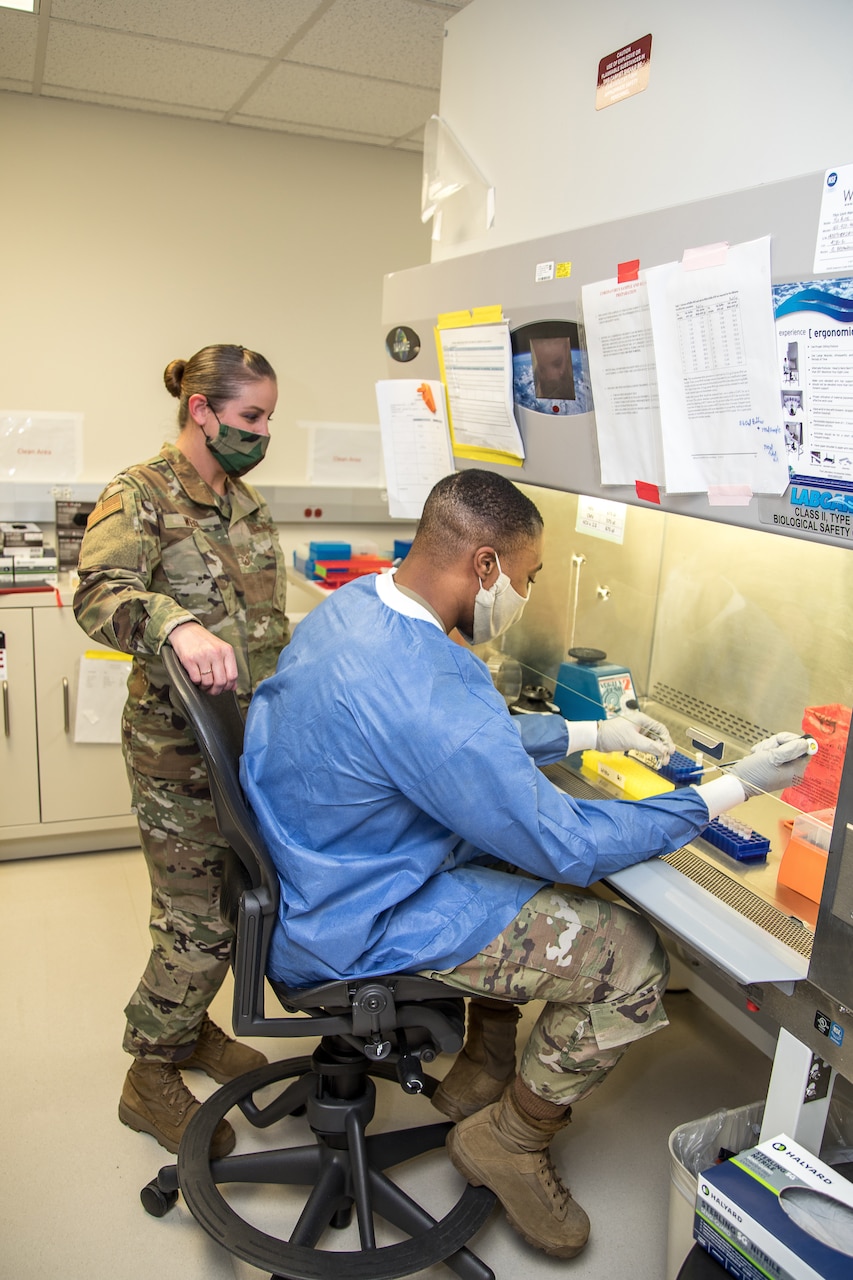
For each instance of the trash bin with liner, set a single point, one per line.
(701, 1143)
(694, 1147)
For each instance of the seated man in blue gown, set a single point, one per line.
(391, 783)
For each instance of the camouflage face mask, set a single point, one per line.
(237, 451)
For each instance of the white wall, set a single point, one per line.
(741, 92)
(129, 240)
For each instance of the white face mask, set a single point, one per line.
(496, 608)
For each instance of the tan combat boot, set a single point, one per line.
(486, 1063)
(222, 1058)
(155, 1100)
(505, 1149)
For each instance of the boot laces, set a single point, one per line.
(211, 1035)
(551, 1182)
(174, 1092)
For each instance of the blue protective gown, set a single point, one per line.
(382, 764)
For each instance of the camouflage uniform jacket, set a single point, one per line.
(161, 548)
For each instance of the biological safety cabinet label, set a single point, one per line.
(810, 511)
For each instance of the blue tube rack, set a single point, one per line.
(752, 848)
(681, 769)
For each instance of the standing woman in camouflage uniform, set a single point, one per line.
(181, 549)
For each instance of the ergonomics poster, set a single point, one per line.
(814, 335)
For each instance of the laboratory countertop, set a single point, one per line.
(314, 589)
(47, 596)
(39, 597)
(36, 597)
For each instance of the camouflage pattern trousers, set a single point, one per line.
(191, 945)
(602, 971)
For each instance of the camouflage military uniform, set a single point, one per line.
(161, 548)
(600, 967)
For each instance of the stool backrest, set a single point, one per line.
(216, 721)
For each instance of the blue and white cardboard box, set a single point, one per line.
(776, 1211)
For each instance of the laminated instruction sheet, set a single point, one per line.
(475, 360)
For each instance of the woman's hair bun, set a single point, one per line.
(173, 376)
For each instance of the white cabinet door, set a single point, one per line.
(19, 770)
(78, 780)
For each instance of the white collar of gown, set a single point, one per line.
(390, 594)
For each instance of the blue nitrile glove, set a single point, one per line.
(635, 731)
(773, 764)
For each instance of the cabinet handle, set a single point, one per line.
(66, 705)
(6, 725)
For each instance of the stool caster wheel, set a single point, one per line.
(156, 1201)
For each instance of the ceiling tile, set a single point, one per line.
(130, 104)
(18, 32)
(136, 67)
(365, 70)
(383, 38)
(312, 131)
(252, 26)
(327, 98)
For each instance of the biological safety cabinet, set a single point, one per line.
(732, 616)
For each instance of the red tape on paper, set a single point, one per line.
(648, 492)
(628, 271)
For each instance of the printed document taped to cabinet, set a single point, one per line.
(101, 695)
(715, 353)
(834, 245)
(415, 442)
(624, 381)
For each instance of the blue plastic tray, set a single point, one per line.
(751, 848)
(681, 769)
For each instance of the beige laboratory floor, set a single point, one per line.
(75, 943)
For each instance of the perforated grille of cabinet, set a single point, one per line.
(744, 901)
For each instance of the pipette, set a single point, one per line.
(811, 750)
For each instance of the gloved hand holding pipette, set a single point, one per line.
(635, 731)
(774, 763)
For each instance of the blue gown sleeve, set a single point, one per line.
(545, 736)
(492, 794)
